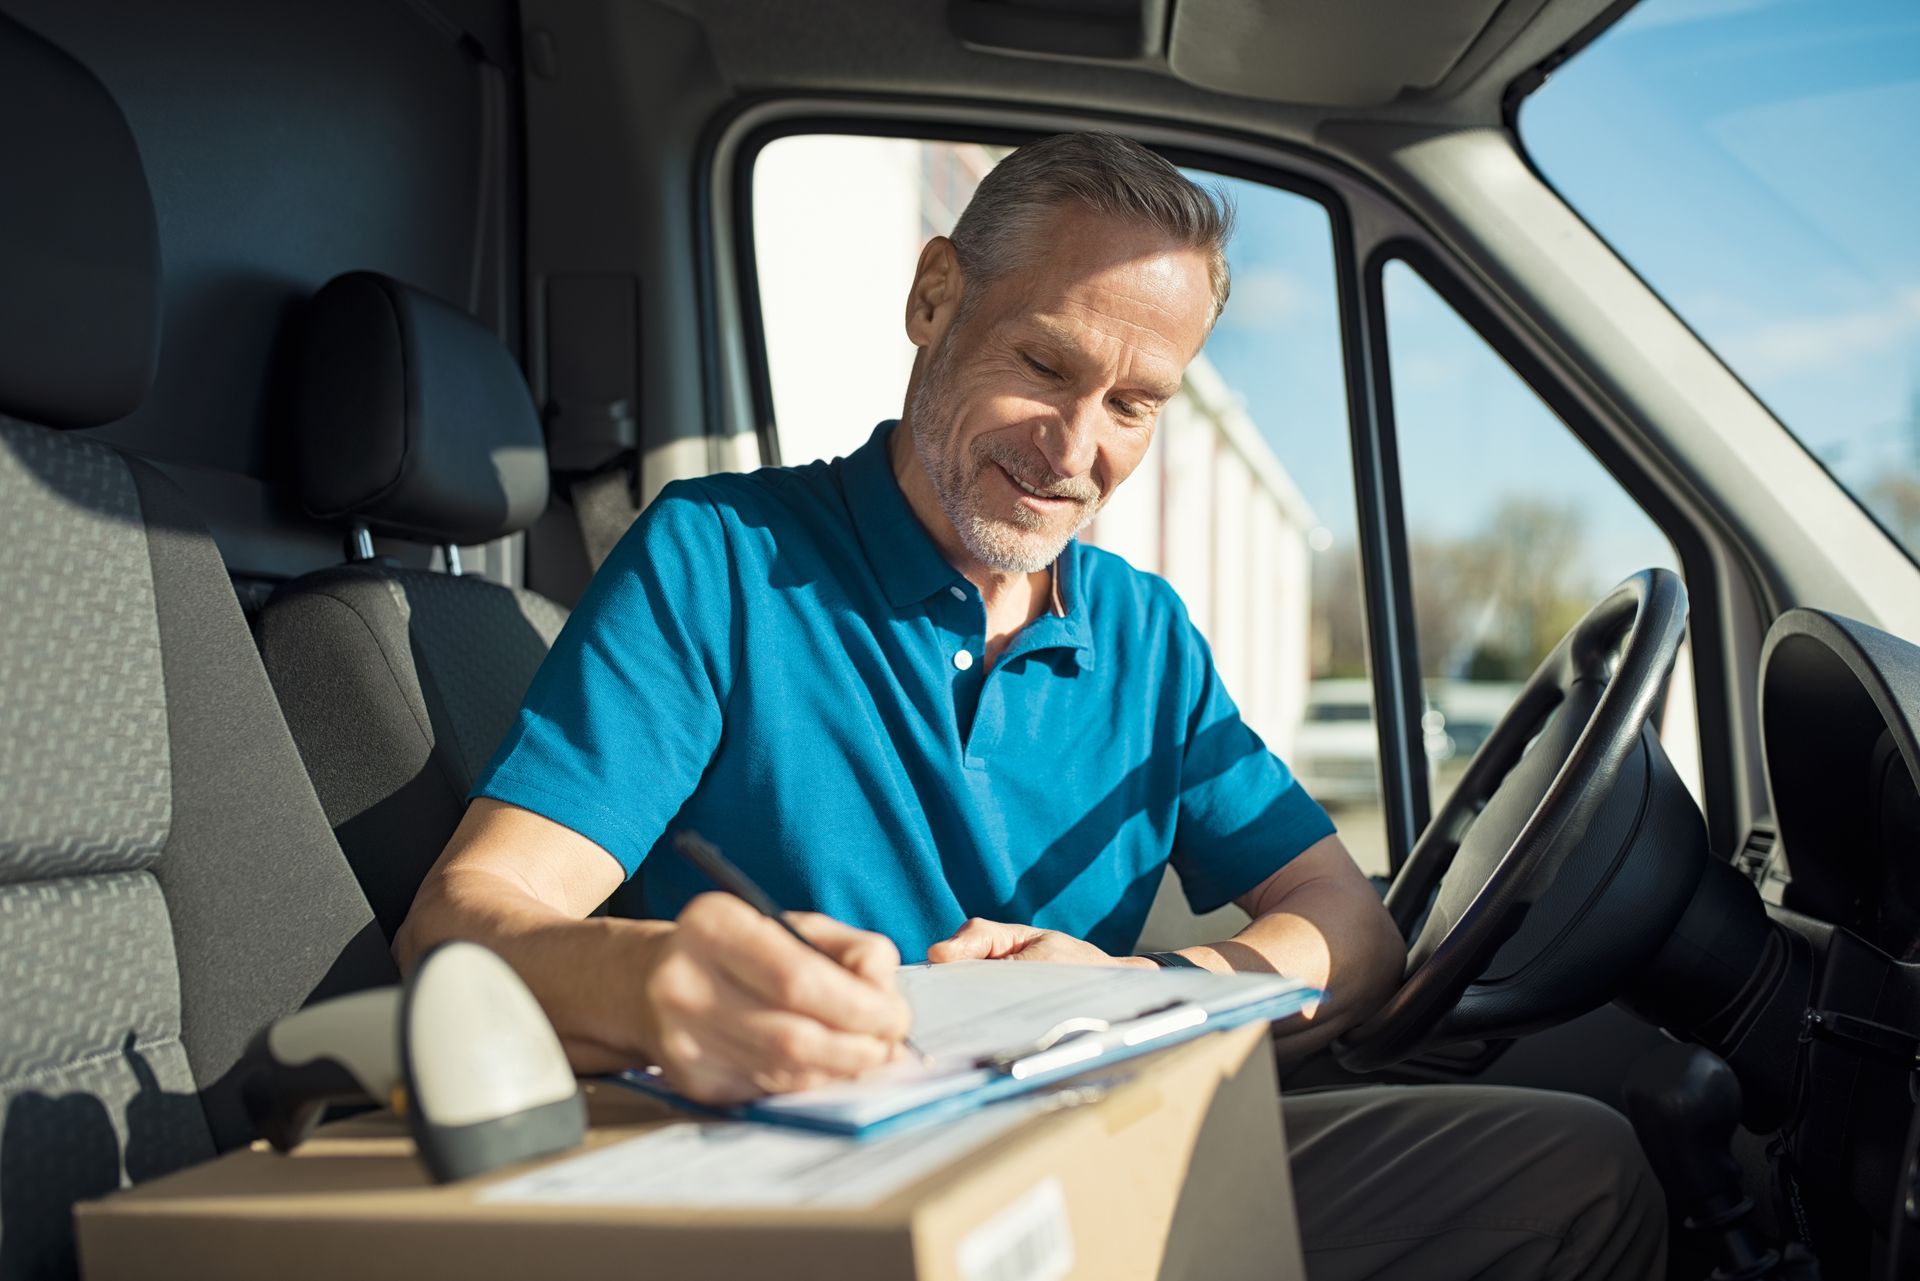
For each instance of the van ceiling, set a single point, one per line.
(1275, 66)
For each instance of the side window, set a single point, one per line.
(1246, 505)
(1245, 502)
(838, 223)
(1513, 528)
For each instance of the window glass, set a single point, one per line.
(1514, 530)
(1753, 160)
(1245, 500)
(838, 223)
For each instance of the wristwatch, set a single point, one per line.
(1171, 961)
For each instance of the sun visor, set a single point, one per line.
(1124, 31)
(1359, 53)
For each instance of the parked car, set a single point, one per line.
(1336, 754)
(1470, 709)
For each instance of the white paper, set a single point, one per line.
(965, 1010)
(736, 1164)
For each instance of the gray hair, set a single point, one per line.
(1100, 172)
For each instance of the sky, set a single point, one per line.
(1472, 435)
(1755, 161)
(1752, 159)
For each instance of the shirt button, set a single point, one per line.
(963, 660)
(958, 594)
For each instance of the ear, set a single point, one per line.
(935, 295)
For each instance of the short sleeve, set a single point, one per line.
(624, 715)
(1243, 816)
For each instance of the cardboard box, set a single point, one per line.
(1176, 1169)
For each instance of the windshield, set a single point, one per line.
(1754, 161)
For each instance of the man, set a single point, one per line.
(897, 692)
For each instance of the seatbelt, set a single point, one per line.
(603, 503)
(593, 386)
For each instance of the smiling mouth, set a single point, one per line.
(1031, 492)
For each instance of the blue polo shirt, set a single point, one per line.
(783, 662)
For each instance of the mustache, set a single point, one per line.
(1034, 473)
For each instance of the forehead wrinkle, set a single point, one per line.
(1110, 316)
(1147, 274)
(1143, 300)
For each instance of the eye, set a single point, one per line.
(1037, 367)
(1127, 409)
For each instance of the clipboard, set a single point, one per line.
(1003, 1029)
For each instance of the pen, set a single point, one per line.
(719, 869)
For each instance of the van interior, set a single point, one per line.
(340, 342)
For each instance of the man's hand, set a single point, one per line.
(730, 1005)
(737, 1008)
(980, 940)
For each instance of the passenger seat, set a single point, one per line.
(168, 885)
(413, 422)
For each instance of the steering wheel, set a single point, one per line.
(1564, 856)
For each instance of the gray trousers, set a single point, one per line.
(1433, 1183)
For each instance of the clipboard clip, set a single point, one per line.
(1082, 1040)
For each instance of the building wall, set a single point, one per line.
(836, 250)
(1211, 510)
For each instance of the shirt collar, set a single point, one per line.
(1065, 625)
(910, 567)
(903, 555)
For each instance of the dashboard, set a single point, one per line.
(1840, 702)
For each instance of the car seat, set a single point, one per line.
(414, 421)
(168, 882)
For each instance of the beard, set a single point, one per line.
(1022, 542)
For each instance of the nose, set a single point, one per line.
(1070, 441)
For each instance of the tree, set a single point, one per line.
(1895, 497)
(1487, 607)
(1533, 552)
(1895, 500)
(1339, 628)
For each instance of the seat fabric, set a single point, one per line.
(168, 884)
(398, 684)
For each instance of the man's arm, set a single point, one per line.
(1317, 919)
(724, 1000)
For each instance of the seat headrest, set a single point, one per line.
(412, 417)
(79, 251)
